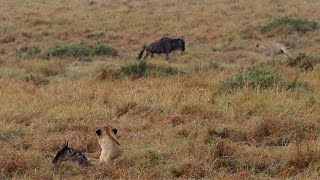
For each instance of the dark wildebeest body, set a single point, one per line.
(164, 45)
(66, 153)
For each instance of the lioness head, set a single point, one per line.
(106, 131)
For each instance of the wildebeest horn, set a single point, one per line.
(66, 143)
(181, 37)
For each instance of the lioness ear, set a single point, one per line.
(114, 130)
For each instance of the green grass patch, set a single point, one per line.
(260, 79)
(254, 79)
(291, 24)
(136, 70)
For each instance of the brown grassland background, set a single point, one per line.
(219, 110)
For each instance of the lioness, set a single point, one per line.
(272, 49)
(108, 142)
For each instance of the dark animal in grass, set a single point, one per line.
(66, 153)
(164, 45)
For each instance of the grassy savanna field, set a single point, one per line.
(219, 110)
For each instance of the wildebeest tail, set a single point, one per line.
(141, 53)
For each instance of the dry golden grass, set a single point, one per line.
(184, 124)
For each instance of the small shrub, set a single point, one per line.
(260, 79)
(141, 69)
(291, 24)
(101, 49)
(82, 50)
(134, 71)
(254, 79)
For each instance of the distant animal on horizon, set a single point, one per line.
(272, 50)
(66, 153)
(110, 147)
(164, 45)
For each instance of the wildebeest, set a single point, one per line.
(164, 45)
(67, 153)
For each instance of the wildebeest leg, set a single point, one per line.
(167, 56)
(147, 54)
(152, 55)
(167, 51)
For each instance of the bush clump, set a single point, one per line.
(82, 50)
(260, 79)
(254, 79)
(136, 70)
(291, 24)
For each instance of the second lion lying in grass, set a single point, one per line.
(272, 49)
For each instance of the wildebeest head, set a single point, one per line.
(66, 153)
(181, 44)
(63, 154)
